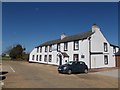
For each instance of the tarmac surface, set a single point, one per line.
(22, 74)
(112, 73)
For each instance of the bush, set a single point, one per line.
(16, 52)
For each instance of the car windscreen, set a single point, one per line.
(70, 62)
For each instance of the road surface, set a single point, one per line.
(22, 74)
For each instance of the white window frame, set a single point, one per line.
(105, 59)
(105, 47)
(65, 46)
(45, 58)
(50, 58)
(76, 45)
(40, 57)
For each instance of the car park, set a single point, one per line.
(73, 67)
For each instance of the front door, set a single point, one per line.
(60, 59)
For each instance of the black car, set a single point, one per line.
(73, 67)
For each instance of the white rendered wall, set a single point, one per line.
(97, 45)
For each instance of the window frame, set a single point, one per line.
(58, 46)
(50, 48)
(105, 47)
(45, 58)
(114, 50)
(50, 58)
(37, 49)
(65, 46)
(74, 56)
(40, 49)
(76, 41)
(40, 57)
(33, 57)
(36, 57)
(46, 48)
(106, 59)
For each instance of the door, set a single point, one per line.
(60, 59)
(76, 57)
(74, 67)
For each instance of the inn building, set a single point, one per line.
(91, 47)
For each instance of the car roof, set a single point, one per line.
(77, 61)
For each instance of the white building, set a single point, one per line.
(90, 47)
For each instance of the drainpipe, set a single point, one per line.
(89, 52)
(47, 54)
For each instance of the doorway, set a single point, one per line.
(60, 59)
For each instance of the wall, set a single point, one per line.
(117, 61)
(97, 45)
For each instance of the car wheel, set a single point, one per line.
(69, 71)
(86, 71)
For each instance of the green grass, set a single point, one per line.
(6, 58)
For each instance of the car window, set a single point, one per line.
(70, 63)
(81, 63)
(74, 63)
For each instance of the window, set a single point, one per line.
(76, 45)
(75, 57)
(58, 47)
(37, 58)
(45, 58)
(40, 58)
(105, 59)
(105, 47)
(50, 48)
(50, 58)
(82, 56)
(37, 49)
(65, 46)
(33, 56)
(40, 49)
(114, 50)
(45, 48)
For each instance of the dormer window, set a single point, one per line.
(105, 47)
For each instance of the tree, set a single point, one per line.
(16, 52)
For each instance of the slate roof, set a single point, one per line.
(114, 45)
(64, 54)
(80, 36)
(118, 53)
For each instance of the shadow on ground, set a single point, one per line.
(2, 77)
(3, 72)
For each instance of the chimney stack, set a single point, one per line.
(95, 28)
(63, 36)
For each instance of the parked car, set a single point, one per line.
(73, 67)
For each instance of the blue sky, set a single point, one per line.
(31, 24)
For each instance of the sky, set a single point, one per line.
(33, 23)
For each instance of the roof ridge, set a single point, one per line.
(78, 36)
